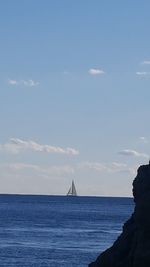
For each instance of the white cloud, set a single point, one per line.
(143, 139)
(114, 167)
(133, 153)
(142, 73)
(146, 62)
(28, 83)
(46, 170)
(93, 165)
(95, 72)
(16, 145)
(21, 166)
(12, 82)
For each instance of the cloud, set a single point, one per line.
(113, 167)
(16, 145)
(46, 170)
(146, 62)
(28, 83)
(12, 82)
(21, 166)
(93, 165)
(95, 72)
(143, 139)
(133, 153)
(142, 73)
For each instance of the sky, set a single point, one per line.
(74, 95)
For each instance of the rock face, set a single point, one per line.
(132, 248)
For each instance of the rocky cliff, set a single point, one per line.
(132, 248)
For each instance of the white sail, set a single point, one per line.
(72, 190)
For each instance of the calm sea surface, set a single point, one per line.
(57, 231)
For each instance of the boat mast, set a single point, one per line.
(72, 190)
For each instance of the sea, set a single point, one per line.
(58, 231)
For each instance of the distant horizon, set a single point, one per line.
(94, 196)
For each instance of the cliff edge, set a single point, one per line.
(132, 247)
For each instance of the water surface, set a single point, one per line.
(58, 231)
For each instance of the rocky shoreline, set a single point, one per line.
(132, 247)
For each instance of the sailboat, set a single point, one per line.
(72, 190)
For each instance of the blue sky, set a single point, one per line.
(74, 95)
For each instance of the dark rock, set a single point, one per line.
(132, 248)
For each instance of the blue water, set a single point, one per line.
(57, 231)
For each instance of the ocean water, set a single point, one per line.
(58, 231)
